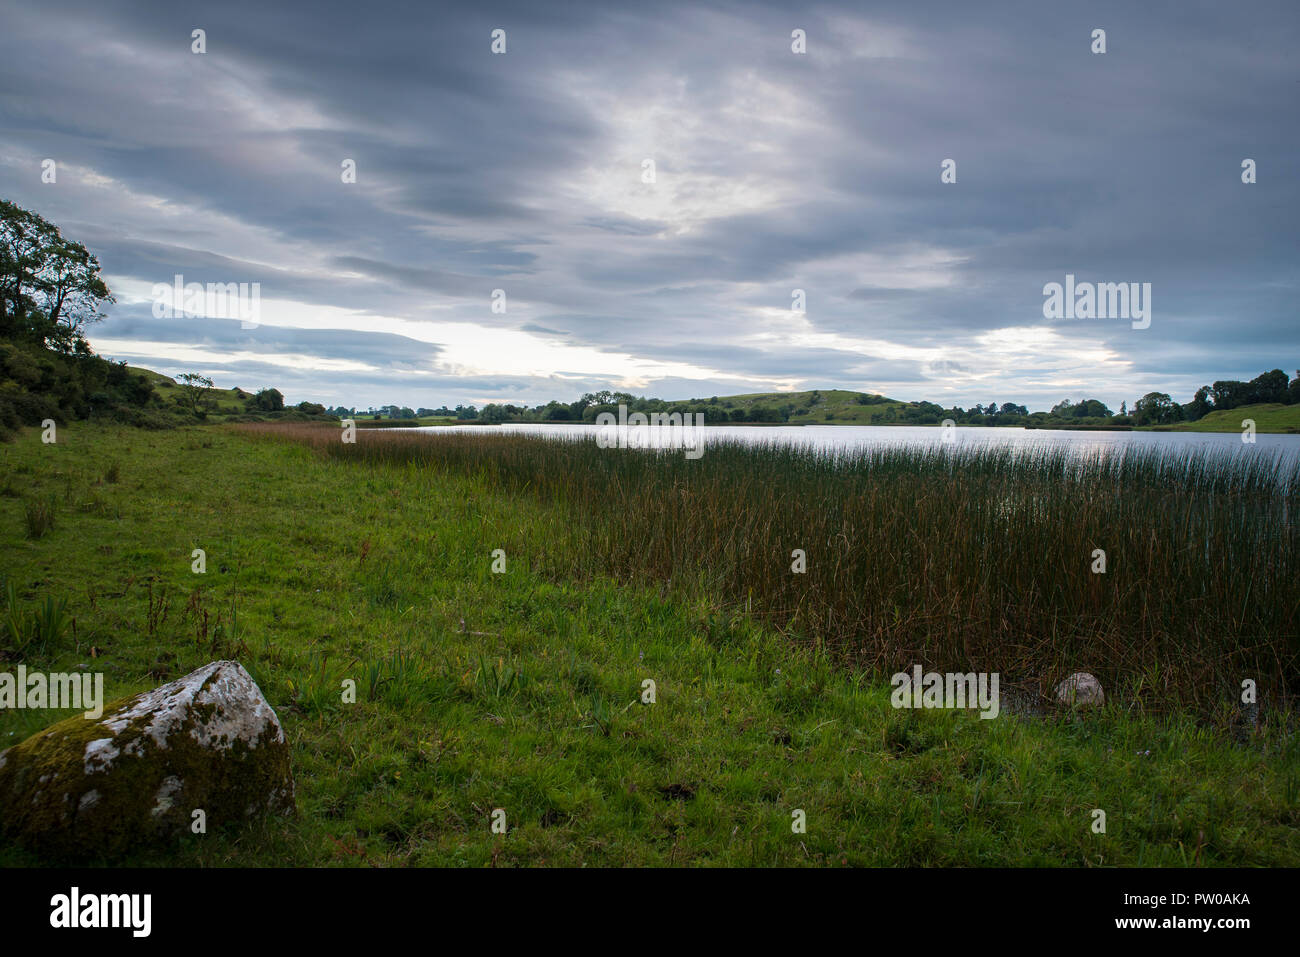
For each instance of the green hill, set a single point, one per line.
(227, 401)
(225, 405)
(1269, 417)
(840, 407)
(818, 406)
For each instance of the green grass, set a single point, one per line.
(321, 569)
(966, 559)
(1269, 417)
(225, 401)
(817, 407)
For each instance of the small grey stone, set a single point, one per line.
(1080, 688)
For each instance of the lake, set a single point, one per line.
(860, 436)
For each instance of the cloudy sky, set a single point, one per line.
(774, 171)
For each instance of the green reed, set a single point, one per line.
(956, 558)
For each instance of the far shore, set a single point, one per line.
(416, 424)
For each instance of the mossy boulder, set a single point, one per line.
(93, 788)
(1080, 689)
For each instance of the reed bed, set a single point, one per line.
(954, 558)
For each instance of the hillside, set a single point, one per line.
(841, 407)
(818, 406)
(1269, 417)
(228, 401)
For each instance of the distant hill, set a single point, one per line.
(228, 401)
(841, 407)
(1269, 417)
(818, 406)
(811, 407)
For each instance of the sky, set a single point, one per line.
(525, 172)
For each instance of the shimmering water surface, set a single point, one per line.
(860, 436)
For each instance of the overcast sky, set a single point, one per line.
(774, 171)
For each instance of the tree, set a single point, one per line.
(1269, 387)
(1092, 408)
(1230, 393)
(50, 287)
(267, 400)
(196, 393)
(1156, 408)
(604, 397)
(1200, 406)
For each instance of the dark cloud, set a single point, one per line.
(774, 172)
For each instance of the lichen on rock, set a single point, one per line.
(1080, 689)
(93, 788)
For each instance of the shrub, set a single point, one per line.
(40, 517)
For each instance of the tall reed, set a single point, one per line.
(955, 558)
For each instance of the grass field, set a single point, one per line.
(821, 407)
(1270, 417)
(978, 559)
(225, 402)
(521, 690)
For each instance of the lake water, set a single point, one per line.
(859, 436)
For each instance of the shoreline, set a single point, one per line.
(370, 424)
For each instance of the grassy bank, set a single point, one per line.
(975, 559)
(521, 690)
(1268, 417)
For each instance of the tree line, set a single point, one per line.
(51, 291)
